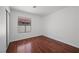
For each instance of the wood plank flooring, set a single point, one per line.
(40, 44)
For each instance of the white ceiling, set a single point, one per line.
(39, 10)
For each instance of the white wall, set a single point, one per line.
(2, 29)
(63, 25)
(14, 35)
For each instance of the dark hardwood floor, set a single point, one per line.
(40, 44)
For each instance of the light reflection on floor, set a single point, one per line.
(24, 48)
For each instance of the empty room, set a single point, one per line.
(39, 29)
